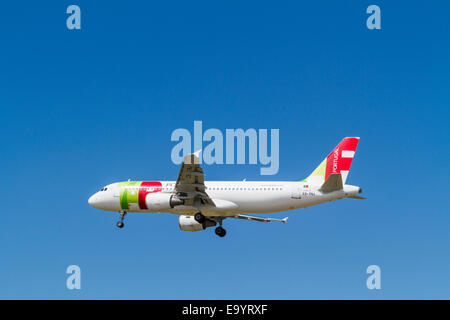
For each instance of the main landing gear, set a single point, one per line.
(221, 232)
(200, 218)
(120, 224)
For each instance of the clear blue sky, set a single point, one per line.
(81, 109)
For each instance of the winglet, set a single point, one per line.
(193, 158)
(284, 220)
(197, 153)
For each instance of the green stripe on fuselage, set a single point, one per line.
(128, 194)
(124, 199)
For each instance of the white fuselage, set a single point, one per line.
(229, 197)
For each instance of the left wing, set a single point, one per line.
(190, 183)
(260, 219)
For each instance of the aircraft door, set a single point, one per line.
(295, 192)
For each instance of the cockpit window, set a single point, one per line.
(106, 189)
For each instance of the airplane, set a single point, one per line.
(203, 204)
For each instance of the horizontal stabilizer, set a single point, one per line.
(260, 219)
(357, 197)
(333, 183)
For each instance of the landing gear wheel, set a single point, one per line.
(221, 232)
(199, 217)
(122, 216)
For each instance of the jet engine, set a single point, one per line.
(188, 223)
(162, 201)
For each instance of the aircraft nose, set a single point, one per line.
(93, 200)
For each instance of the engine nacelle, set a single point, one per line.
(188, 223)
(162, 201)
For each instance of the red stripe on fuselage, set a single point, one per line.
(143, 192)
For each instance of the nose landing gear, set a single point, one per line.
(120, 224)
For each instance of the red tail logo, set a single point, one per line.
(340, 159)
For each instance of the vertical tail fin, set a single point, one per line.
(338, 161)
